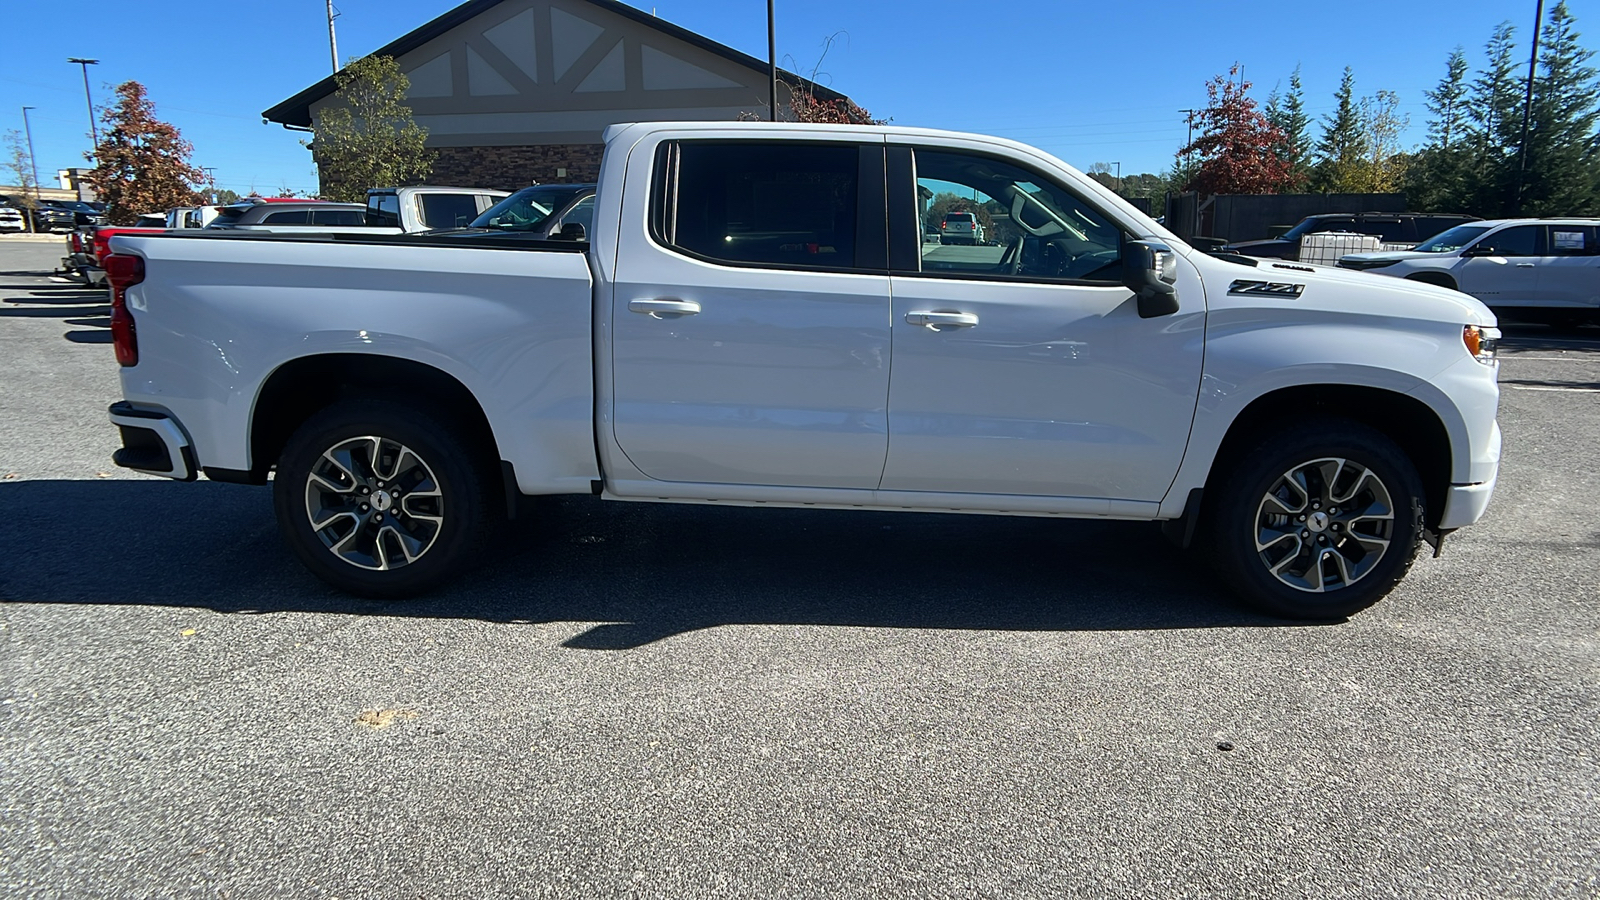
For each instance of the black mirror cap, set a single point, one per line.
(572, 231)
(1480, 250)
(1150, 270)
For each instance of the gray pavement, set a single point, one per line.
(672, 701)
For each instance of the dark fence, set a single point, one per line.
(1249, 217)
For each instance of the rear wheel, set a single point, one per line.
(1319, 521)
(381, 500)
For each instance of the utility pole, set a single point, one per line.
(1189, 118)
(1527, 109)
(772, 57)
(333, 42)
(33, 163)
(94, 133)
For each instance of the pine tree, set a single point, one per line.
(1445, 103)
(1562, 162)
(1296, 133)
(1493, 123)
(141, 163)
(371, 141)
(1342, 152)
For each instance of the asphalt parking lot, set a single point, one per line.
(677, 701)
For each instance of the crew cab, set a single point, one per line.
(755, 320)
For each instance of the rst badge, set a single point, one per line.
(1269, 288)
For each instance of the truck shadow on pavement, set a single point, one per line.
(646, 572)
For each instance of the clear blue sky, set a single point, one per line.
(1088, 81)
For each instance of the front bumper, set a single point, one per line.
(152, 442)
(1465, 503)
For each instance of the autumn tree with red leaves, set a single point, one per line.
(1236, 149)
(141, 163)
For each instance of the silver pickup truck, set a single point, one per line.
(755, 319)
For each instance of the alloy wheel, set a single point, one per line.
(1324, 525)
(374, 503)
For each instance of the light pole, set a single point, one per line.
(33, 214)
(772, 57)
(94, 133)
(1527, 109)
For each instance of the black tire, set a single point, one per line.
(365, 548)
(1310, 583)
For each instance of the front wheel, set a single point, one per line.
(381, 500)
(1319, 521)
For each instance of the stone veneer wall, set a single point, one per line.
(510, 168)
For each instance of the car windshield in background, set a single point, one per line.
(527, 209)
(1454, 239)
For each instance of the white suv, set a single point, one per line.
(11, 220)
(1542, 268)
(961, 228)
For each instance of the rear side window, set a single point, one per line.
(1390, 231)
(383, 211)
(343, 218)
(288, 217)
(788, 205)
(1572, 240)
(448, 210)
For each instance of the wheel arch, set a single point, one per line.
(300, 388)
(1413, 425)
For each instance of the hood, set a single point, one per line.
(1332, 290)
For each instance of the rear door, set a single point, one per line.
(750, 315)
(1569, 272)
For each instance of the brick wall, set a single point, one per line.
(509, 168)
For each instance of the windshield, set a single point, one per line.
(527, 209)
(1454, 239)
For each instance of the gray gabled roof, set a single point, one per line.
(297, 109)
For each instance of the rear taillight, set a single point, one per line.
(75, 240)
(100, 246)
(123, 271)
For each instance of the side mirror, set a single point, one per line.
(571, 231)
(1480, 250)
(1150, 270)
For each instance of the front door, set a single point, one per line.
(751, 324)
(1509, 275)
(1022, 367)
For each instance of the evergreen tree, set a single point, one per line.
(1493, 127)
(1446, 102)
(1296, 130)
(1342, 152)
(1561, 160)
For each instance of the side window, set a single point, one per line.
(287, 217)
(1523, 240)
(998, 220)
(340, 217)
(1572, 240)
(447, 210)
(789, 205)
(582, 214)
(1390, 231)
(383, 211)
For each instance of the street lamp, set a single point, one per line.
(86, 63)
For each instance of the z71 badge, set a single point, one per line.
(1270, 288)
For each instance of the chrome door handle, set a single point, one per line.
(1524, 265)
(936, 320)
(655, 309)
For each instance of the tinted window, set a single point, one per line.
(1454, 239)
(339, 217)
(582, 214)
(790, 204)
(383, 211)
(1523, 240)
(1037, 229)
(287, 217)
(228, 215)
(527, 209)
(1572, 240)
(1320, 224)
(1390, 231)
(448, 210)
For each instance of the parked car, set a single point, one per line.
(428, 207)
(262, 215)
(151, 220)
(1533, 268)
(83, 215)
(728, 334)
(11, 219)
(89, 248)
(44, 218)
(1390, 228)
(538, 212)
(961, 228)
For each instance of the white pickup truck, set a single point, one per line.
(756, 320)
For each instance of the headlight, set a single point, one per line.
(1481, 343)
